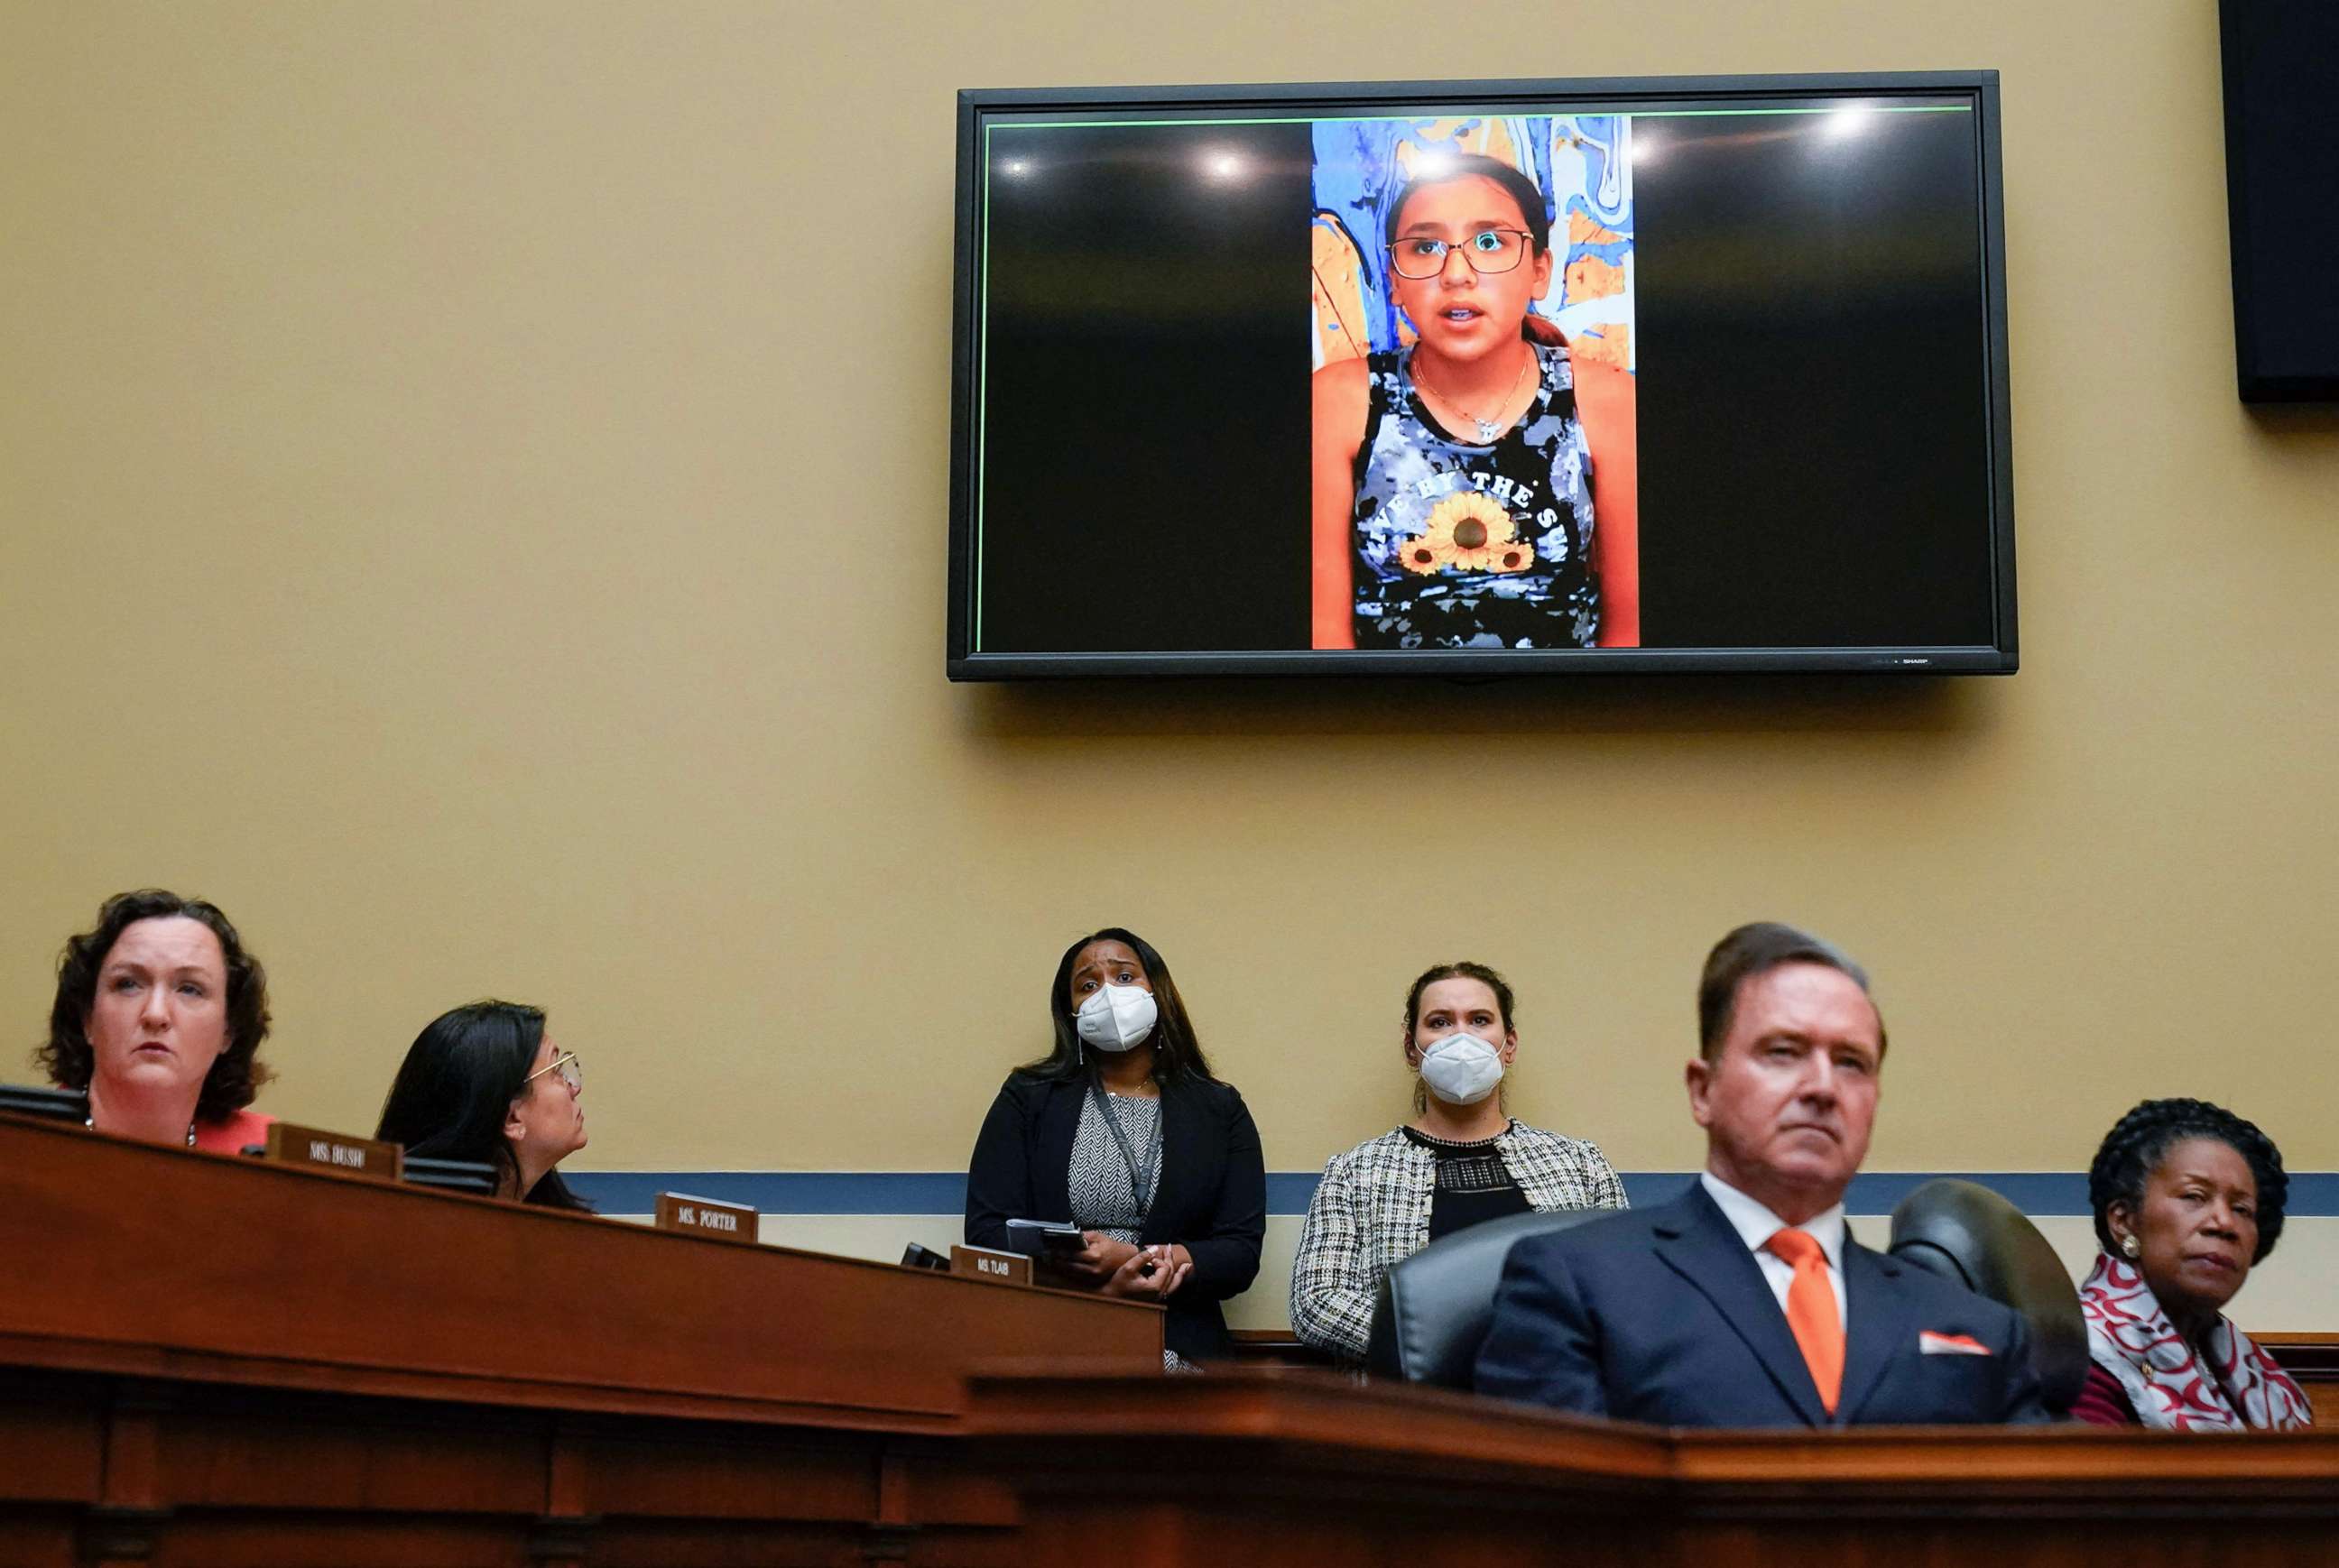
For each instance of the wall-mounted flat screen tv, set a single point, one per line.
(1480, 378)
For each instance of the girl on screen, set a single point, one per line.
(1452, 479)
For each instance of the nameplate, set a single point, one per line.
(706, 1217)
(1000, 1268)
(339, 1151)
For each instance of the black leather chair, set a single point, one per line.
(55, 1104)
(1434, 1307)
(1966, 1232)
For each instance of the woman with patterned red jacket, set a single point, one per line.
(2187, 1198)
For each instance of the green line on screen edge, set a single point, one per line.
(982, 344)
(981, 394)
(1505, 113)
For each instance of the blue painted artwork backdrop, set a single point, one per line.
(1582, 163)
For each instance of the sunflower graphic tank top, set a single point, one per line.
(1474, 547)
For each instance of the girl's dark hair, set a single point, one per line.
(236, 1077)
(2141, 1140)
(1175, 1052)
(1462, 968)
(456, 1087)
(1473, 165)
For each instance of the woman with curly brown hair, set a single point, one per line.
(159, 1015)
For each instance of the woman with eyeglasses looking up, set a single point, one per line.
(1452, 479)
(486, 1083)
(1122, 1131)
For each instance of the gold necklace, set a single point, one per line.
(1488, 429)
(90, 1121)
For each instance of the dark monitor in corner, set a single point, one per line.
(2281, 195)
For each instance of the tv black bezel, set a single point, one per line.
(974, 105)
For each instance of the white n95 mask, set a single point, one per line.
(1461, 1069)
(1117, 1016)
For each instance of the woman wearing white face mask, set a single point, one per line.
(1461, 1161)
(1122, 1131)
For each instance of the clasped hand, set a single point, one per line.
(1116, 1268)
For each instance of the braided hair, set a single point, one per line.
(2142, 1138)
(1175, 1052)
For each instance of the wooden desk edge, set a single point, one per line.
(525, 1213)
(62, 1185)
(1413, 1428)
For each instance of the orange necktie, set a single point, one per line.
(1812, 1313)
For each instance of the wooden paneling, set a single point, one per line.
(218, 1364)
(172, 1263)
(215, 1362)
(51, 1439)
(1307, 1468)
(259, 1478)
(1275, 1348)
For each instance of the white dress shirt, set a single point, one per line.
(1756, 1224)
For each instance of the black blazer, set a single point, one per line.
(1663, 1316)
(1211, 1199)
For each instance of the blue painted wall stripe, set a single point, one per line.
(2312, 1193)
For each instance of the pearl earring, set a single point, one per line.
(2128, 1246)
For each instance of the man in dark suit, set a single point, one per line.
(1744, 1302)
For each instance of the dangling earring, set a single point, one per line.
(2128, 1246)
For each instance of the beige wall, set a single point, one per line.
(430, 437)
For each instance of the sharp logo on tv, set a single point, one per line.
(1682, 374)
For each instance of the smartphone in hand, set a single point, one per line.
(1038, 1238)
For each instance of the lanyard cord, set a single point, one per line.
(1141, 1177)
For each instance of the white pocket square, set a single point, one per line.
(1931, 1344)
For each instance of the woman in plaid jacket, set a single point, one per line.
(1461, 1161)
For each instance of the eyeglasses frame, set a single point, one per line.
(1448, 247)
(569, 1064)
